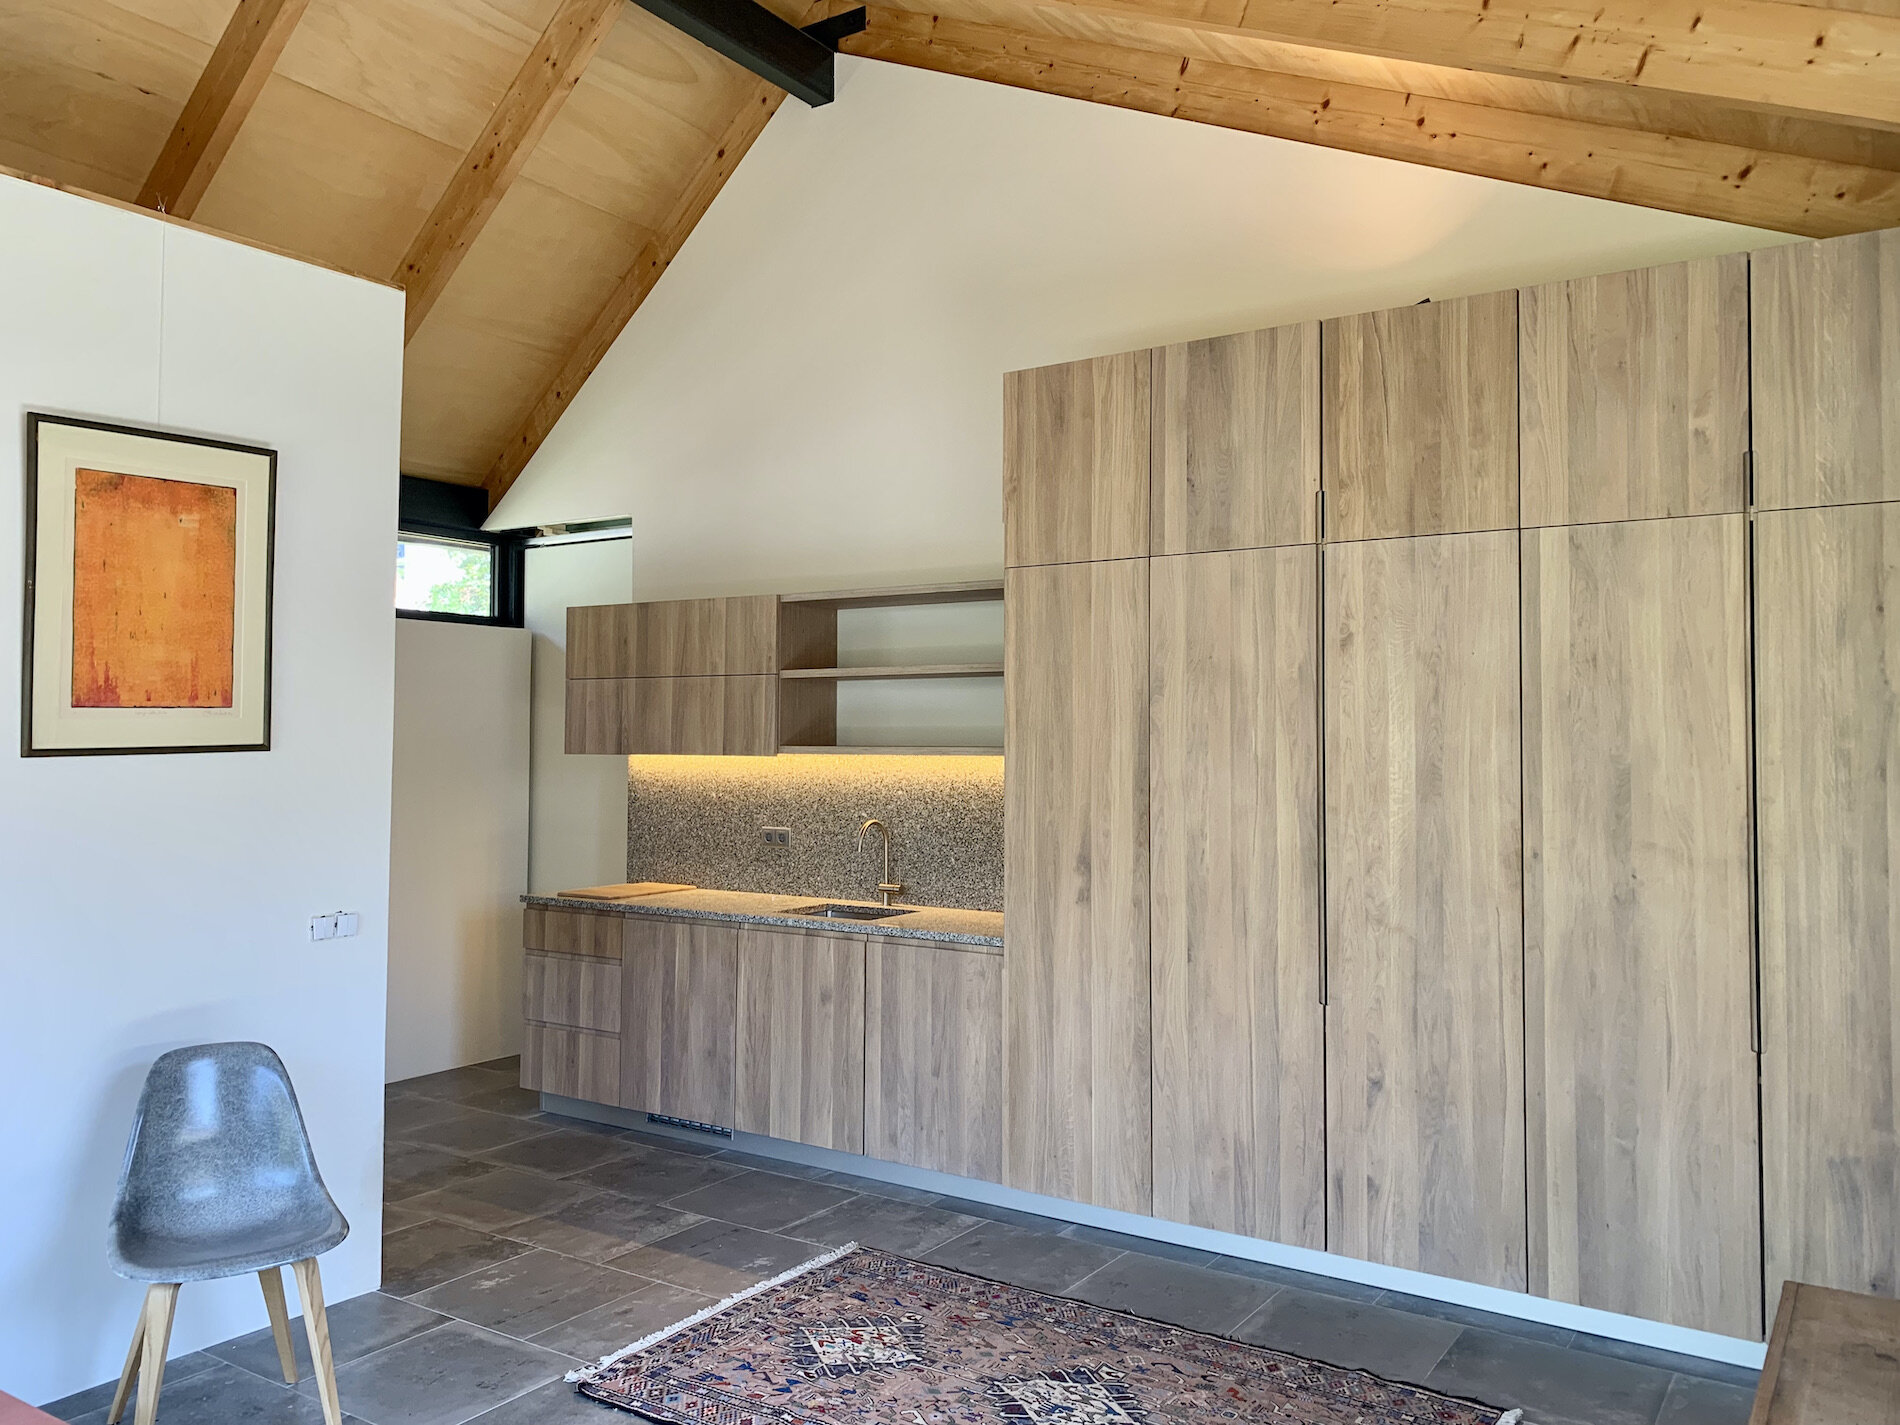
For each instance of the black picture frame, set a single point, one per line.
(35, 422)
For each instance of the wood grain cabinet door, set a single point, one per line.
(679, 984)
(1075, 809)
(1075, 461)
(933, 1057)
(1827, 592)
(674, 638)
(1420, 419)
(1634, 394)
(1640, 1062)
(731, 716)
(1236, 441)
(1424, 941)
(800, 1070)
(1826, 354)
(1239, 1051)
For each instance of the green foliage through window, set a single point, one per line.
(442, 576)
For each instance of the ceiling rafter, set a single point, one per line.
(541, 86)
(761, 102)
(1767, 54)
(220, 101)
(1792, 193)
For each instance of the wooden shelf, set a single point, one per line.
(977, 591)
(902, 751)
(911, 670)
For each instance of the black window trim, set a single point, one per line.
(510, 551)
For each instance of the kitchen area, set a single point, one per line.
(808, 945)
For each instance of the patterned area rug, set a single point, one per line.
(863, 1337)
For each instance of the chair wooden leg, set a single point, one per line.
(161, 1299)
(130, 1373)
(272, 1280)
(310, 1288)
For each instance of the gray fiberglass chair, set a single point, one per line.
(219, 1180)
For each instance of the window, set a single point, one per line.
(445, 576)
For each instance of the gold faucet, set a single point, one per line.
(886, 887)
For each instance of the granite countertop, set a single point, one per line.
(982, 929)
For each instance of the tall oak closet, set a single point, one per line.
(1454, 783)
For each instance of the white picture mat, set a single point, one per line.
(63, 451)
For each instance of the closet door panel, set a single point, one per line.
(1641, 1069)
(1239, 1053)
(1236, 441)
(1424, 1018)
(1826, 353)
(1634, 393)
(1076, 990)
(1827, 586)
(1076, 451)
(1421, 419)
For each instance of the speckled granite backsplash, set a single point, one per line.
(697, 820)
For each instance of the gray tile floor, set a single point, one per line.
(518, 1245)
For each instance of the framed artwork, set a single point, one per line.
(148, 591)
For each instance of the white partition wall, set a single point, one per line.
(156, 901)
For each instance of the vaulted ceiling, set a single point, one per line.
(526, 169)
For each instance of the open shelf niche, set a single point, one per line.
(812, 669)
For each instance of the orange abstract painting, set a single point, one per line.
(154, 592)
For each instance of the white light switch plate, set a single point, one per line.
(337, 925)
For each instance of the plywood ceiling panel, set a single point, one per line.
(318, 176)
(650, 80)
(431, 67)
(89, 90)
(464, 391)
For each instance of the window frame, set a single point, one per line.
(510, 564)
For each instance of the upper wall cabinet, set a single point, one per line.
(1827, 590)
(1075, 887)
(1420, 419)
(675, 638)
(733, 717)
(1639, 1057)
(1826, 354)
(1635, 394)
(1075, 461)
(1236, 442)
(1239, 1051)
(1424, 930)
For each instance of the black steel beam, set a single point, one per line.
(749, 34)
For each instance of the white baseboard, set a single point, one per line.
(1636, 1329)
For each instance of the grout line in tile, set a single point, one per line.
(1093, 1271)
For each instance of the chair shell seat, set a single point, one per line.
(219, 1178)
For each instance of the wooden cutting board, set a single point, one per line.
(630, 891)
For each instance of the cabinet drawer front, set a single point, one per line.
(730, 716)
(674, 638)
(578, 991)
(572, 932)
(574, 1063)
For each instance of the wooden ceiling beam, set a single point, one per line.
(1781, 57)
(761, 102)
(547, 76)
(1788, 193)
(219, 103)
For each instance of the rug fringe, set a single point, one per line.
(1511, 1417)
(594, 1371)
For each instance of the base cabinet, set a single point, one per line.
(933, 1087)
(679, 983)
(573, 1063)
(800, 1072)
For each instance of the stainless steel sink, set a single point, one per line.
(833, 910)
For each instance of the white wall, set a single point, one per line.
(156, 901)
(578, 820)
(812, 396)
(458, 859)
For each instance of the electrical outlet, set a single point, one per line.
(776, 835)
(337, 925)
